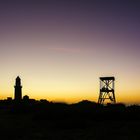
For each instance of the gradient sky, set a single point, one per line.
(60, 48)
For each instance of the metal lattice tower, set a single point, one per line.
(107, 91)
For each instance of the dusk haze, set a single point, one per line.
(60, 48)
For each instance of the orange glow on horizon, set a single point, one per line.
(127, 98)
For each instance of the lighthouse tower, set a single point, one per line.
(18, 89)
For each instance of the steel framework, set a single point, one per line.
(107, 91)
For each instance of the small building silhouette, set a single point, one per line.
(18, 89)
(9, 98)
(26, 98)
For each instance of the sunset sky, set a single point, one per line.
(60, 48)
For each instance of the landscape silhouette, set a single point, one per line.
(25, 118)
(78, 66)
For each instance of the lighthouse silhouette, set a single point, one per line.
(18, 89)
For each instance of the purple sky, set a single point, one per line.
(64, 38)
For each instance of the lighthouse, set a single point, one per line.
(18, 89)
